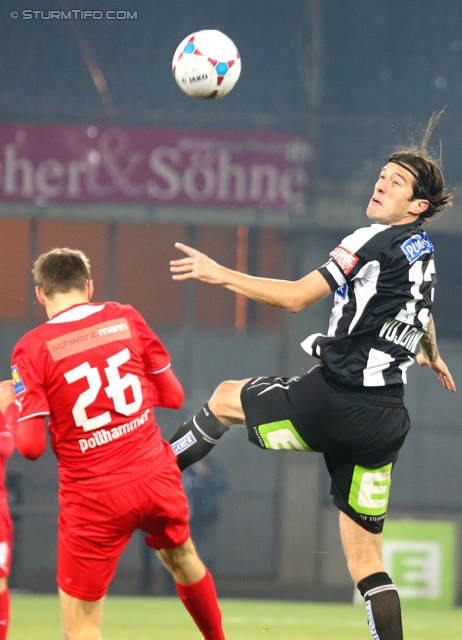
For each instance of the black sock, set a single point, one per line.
(383, 606)
(195, 438)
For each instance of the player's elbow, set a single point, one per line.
(296, 304)
(174, 405)
(29, 450)
(171, 398)
(298, 297)
(306, 291)
(175, 401)
(294, 308)
(31, 454)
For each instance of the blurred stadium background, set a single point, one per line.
(345, 82)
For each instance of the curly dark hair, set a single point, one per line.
(429, 184)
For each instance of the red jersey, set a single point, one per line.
(86, 369)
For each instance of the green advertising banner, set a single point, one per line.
(420, 557)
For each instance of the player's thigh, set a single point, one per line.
(85, 569)
(362, 492)
(81, 616)
(308, 413)
(287, 413)
(93, 530)
(164, 511)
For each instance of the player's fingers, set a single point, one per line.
(447, 381)
(188, 250)
(182, 266)
(445, 373)
(183, 276)
(187, 260)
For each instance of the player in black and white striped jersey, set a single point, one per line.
(379, 314)
(351, 407)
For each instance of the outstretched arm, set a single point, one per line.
(293, 296)
(429, 356)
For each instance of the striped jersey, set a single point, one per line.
(384, 278)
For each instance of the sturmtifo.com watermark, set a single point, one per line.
(73, 14)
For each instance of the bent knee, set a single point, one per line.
(228, 388)
(226, 401)
(183, 563)
(176, 556)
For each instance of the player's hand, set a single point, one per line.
(196, 266)
(440, 368)
(6, 394)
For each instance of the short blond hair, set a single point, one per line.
(61, 270)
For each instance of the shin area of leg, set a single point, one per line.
(363, 551)
(197, 437)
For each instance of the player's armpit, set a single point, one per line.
(29, 435)
(167, 390)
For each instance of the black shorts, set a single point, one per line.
(359, 432)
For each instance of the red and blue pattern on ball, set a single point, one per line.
(221, 68)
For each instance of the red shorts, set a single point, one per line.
(6, 539)
(95, 526)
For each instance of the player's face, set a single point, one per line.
(392, 202)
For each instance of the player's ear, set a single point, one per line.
(40, 295)
(90, 289)
(419, 206)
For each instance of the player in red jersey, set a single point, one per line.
(96, 370)
(6, 529)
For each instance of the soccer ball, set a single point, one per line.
(206, 64)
